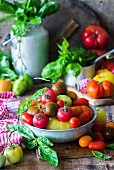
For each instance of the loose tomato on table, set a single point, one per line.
(95, 37)
(64, 113)
(98, 136)
(40, 120)
(85, 140)
(97, 145)
(13, 153)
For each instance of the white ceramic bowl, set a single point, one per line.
(62, 136)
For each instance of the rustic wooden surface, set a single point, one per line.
(71, 155)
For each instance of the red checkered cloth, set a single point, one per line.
(8, 107)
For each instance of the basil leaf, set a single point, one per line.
(38, 93)
(100, 155)
(24, 105)
(7, 7)
(48, 8)
(43, 139)
(36, 20)
(110, 146)
(48, 154)
(22, 130)
(30, 144)
(74, 69)
(4, 70)
(19, 28)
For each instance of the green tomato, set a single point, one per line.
(2, 160)
(29, 81)
(13, 153)
(19, 86)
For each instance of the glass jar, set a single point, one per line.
(30, 52)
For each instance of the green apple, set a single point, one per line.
(67, 100)
(101, 116)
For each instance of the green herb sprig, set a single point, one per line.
(70, 60)
(30, 141)
(30, 11)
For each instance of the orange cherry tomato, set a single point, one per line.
(74, 122)
(85, 140)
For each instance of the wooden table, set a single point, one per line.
(70, 155)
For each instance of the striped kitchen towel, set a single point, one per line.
(8, 107)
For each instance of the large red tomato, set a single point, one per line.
(94, 36)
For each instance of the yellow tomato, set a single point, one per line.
(5, 85)
(55, 124)
(104, 74)
(101, 116)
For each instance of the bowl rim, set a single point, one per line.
(80, 127)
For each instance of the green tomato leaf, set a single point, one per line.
(100, 155)
(110, 146)
(43, 139)
(48, 154)
(22, 130)
(24, 105)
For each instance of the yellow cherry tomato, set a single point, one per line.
(5, 85)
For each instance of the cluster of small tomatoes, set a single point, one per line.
(58, 109)
(101, 134)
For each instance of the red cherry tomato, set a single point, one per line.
(40, 120)
(60, 103)
(27, 118)
(64, 113)
(98, 136)
(49, 96)
(74, 122)
(81, 101)
(97, 145)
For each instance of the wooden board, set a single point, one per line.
(92, 101)
(68, 22)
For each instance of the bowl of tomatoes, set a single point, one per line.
(56, 114)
